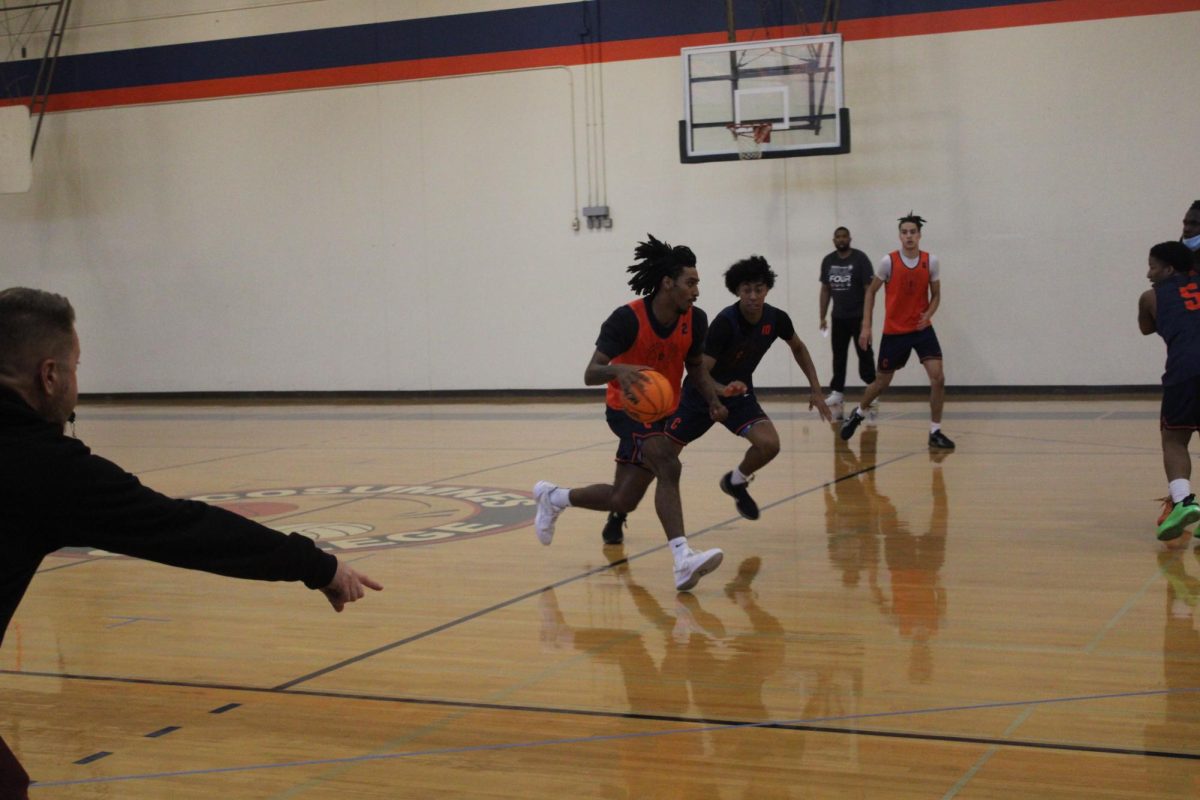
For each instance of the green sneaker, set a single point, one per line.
(1184, 513)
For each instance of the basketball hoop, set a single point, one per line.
(750, 138)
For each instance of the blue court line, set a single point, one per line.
(214, 460)
(800, 725)
(75, 563)
(986, 757)
(1137, 596)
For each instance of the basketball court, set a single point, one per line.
(897, 624)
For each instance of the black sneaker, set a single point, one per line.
(853, 420)
(743, 501)
(614, 529)
(940, 441)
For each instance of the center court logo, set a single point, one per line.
(377, 516)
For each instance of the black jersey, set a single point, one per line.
(738, 346)
(1177, 315)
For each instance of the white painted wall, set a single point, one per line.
(418, 235)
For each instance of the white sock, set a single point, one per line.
(560, 497)
(737, 478)
(1179, 488)
(858, 411)
(934, 427)
(679, 548)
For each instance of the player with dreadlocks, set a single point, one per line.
(737, 340)
(661, 330)
(914, 292)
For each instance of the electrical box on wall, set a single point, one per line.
(597, 216)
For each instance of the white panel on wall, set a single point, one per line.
(417, 235)
(16, 138)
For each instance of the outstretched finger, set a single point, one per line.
(373, 584)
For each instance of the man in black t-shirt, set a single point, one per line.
(845, 275)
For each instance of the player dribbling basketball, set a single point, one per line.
(662, 330)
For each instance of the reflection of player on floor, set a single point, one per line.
(852, 505)
(1169, 309)
(663, 331)
(1181, 674)
(914, 292)
(737, 340)
(918, 600)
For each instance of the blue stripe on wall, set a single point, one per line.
(557, 25)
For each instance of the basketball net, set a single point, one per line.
(750, 138)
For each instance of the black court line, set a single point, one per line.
(535, 592)
(93, 757)
(338, 416)
(797, 726)
(226, 707)
(162, 732)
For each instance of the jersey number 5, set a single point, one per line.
(1191, 296)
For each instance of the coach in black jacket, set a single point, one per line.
(55, 493)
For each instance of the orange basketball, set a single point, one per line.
(653, 398)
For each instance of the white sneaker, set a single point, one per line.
(695, 566)
(547, 512)
(873, 412)
(834, 401)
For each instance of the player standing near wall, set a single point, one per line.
(914, 293)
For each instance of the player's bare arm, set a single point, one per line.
(697, 370)
(864, 333)
(601, 370)
(815, 397)
(935, 300)
(731, 389)
(1147, 310)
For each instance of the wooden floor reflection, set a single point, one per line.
(994, 622)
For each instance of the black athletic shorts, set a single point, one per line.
(895, 348)
(1181, 406)
(691, 420)
(630, 434)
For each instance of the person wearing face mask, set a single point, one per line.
(1191, 233)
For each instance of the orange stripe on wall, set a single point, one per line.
(1055, 11)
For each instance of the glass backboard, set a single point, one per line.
(793, 84)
